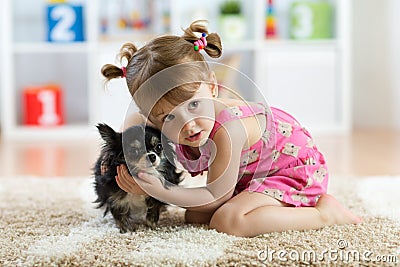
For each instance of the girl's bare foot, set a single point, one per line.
(334, 213)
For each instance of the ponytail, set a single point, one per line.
(111, 71)
(214, 47)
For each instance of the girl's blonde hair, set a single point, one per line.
(161, 53)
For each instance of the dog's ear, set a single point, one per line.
(108, 134)
(168, 148)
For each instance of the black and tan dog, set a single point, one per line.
(141, 148)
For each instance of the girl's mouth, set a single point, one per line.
(195, 137)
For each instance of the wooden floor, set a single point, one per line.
(363, 153)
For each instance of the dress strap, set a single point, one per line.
(235, 113)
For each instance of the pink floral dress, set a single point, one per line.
(284, 163)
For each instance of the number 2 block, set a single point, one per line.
(65, 23)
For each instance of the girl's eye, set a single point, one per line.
(169, 117)
(194, 104)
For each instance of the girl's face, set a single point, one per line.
(191, 122)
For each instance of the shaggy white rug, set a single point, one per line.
(52, 222)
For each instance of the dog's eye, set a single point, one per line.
(158, 148)
(134, 151)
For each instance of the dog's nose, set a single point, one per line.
(152, 157)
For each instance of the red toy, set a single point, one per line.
(43, 105)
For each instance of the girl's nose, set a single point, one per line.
(189, 126)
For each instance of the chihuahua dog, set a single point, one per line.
(141, 148)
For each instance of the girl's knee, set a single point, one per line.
(227, 220)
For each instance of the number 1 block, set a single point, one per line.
(65, 23)
(43, 106)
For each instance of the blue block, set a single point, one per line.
(65, 23)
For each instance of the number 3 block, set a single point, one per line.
(310, 20)
(65, 23)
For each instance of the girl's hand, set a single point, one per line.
(152, 185)
(126, 182)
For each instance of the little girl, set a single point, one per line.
(264, 173)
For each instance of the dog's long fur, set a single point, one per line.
(141, 148)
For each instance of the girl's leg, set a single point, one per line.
(192, 216)
(250, 214)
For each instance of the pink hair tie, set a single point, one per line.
(201, 43)
(123, 72)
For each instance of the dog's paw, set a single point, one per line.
(126, 226)
(152, 218)
(122, 230)
(151, 223)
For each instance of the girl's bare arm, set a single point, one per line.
(221, 179)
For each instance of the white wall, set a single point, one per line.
(2, 23)
(376, 96)
(395, 50)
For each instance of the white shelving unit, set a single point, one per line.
(310, 79)
(29, 60)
